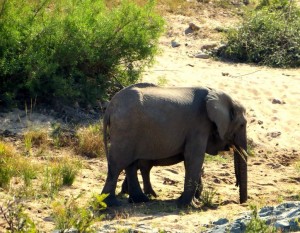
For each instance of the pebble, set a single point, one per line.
(284, 218)
(276, 101)
(209, 46)
(175, 44)
(194, 27)
(202, 55)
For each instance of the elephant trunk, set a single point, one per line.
(240, 167)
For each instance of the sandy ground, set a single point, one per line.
(271, 97)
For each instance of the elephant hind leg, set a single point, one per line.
(145, 167)
(110, 186)
(124, 189)
(136, 194)
(115, 166)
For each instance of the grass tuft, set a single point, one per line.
(207, 197)
(90, 141)
(68, 214)
(14, 165)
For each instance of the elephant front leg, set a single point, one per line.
(136, 194)
(193, 164)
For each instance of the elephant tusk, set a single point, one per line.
(241, 152)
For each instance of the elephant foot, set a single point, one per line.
(196, 202)
(111, 200)
(138, 198)
(198, 193)
(151, 192)
(183, 202)
(124, 190)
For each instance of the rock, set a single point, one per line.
(71, 230)
(276, 101)
(209, 46)
(225, 74)
(266, 209)
(282, 225)
(221, 221)
(274, 134)
(218, 229)
(284, 218)
(260, 122)
(175, 44)
(202, 56)
(168, 181)
(236, 227)
(194, 27)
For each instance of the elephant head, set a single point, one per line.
(230, 121)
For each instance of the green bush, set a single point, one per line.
(73, 50)
(69, 214)
(14, 218)
(270, 36)
(258, 225)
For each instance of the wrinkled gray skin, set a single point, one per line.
(147, 122)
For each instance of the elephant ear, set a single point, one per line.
(218, 110)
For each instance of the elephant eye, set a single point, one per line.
(242, 125)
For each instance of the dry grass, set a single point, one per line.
(14, 165)
(35, 138)
(90, 141)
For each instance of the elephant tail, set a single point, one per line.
(106, 124)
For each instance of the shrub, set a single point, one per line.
(73, 50)
(258, 225)
(68, 214)
(207, 197)
(14, 217)
(270, 36)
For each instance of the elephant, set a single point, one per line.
(148, 122)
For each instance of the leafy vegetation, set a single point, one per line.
(258, 225)
(269, 35)
(207, 196)
(68, 214)
(215, 158)
(16, 220)
(73, 50)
